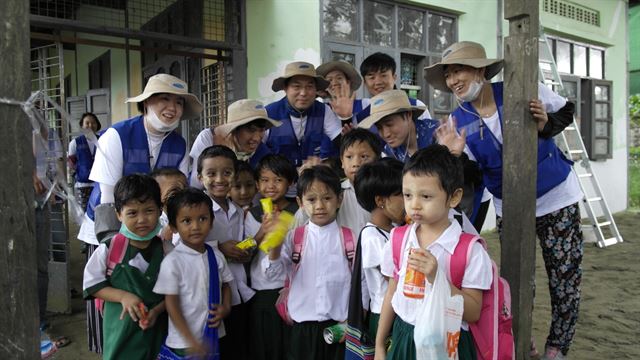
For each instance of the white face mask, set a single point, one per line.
(474, 90)
(158, 124)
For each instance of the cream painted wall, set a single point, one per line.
(279, 32)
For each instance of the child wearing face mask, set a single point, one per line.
(134, 316)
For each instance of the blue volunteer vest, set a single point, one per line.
(135, 154)
(282, 140)
(553, 166)
(85, 159)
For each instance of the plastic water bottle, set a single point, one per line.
(47, 347)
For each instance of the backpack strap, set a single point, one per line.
(299, 234)
(348, 244)
(458, 261)
(115, 253)
(398, 236)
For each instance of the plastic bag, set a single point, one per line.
(437, 329)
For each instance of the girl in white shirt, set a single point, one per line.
(317, 296)
(269, 333)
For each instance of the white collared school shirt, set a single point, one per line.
(320, 289)
(477, 275)
(185, 272)
(229, 225)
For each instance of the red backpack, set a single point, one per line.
(115, 254)
(492, 333)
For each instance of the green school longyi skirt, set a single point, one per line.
(403, 347)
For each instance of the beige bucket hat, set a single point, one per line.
(347, 69)
(463, 53)
(299, 68)
(165, 83)
(243, 112)
(388, 103)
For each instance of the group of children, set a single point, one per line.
(164, 273)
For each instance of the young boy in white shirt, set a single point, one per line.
(320, 272)
(358, 147)
(431, 185)
(378, 188)
(216, 168)
(185, 280)
(170, 180)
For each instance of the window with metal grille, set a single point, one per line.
(354, 29)
(572, 11)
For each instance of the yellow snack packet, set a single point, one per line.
(267, 205)
(276, 237)
(247, 244)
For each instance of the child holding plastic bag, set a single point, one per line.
(431, 186)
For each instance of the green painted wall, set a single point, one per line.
(279, 32)
(634, 50)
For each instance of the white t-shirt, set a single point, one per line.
(108, 164)
(351, 214)
(372, 241)
(229, 225)
(564, 194)
(185, 272)
(95, 271)
(202, 141)
(477, 275)
(320, 289)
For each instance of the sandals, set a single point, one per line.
(61, 342)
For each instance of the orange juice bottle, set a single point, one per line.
(414, 282)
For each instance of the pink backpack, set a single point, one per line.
(300, 233)
(492, 333)
(115, 254)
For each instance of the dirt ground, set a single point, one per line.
(608, 327)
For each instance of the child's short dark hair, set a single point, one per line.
(378, 178)
(377, 62)
(360, 135)
(321, 173)
(168, 172)
(241, 167)
(279, 165)
(138, 187)
(187, 197)
(215, 151)
(437, 160)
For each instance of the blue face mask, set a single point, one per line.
(131, 236)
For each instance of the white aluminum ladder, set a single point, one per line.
(574, 149)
